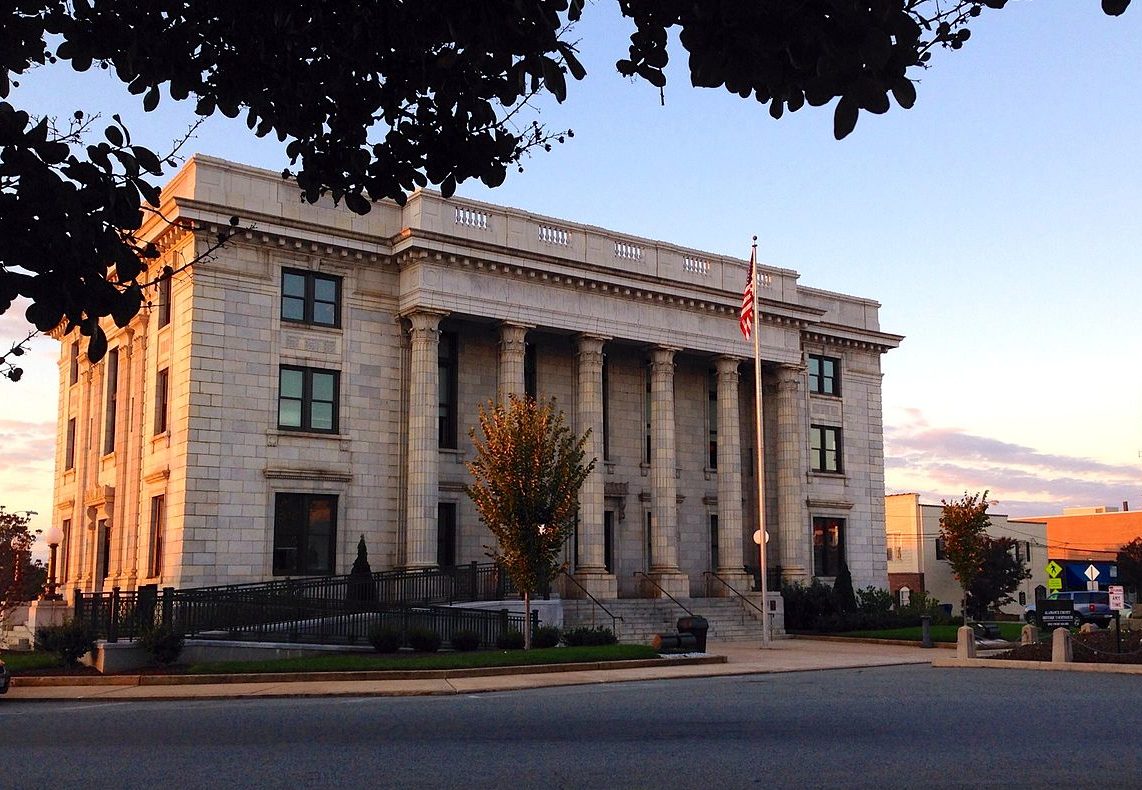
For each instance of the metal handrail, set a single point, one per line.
(614, 617)
(668, 595)
(730, 587)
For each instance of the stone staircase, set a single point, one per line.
(730, 620)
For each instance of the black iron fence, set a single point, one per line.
(327, 609)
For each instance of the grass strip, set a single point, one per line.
(24, 660)
(357, 662)
(940, 633)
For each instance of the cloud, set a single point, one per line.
(939, 463)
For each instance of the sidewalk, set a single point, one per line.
(729, 658)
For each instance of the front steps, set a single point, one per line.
(730, 619)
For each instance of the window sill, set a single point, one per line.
(277, 433)
(826, 396)
(457, 454)
(325, 328)
(161, 437)
(824, 475)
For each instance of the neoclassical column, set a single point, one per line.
(423, 441)
(791, 513)
(591, 570)
(663, 476)
(730, 559)
(512, 347)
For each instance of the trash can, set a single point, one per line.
(696, 625)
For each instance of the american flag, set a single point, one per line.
(745, 321)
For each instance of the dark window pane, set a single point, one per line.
(325, 290)
(293, 309)
(321, 416)
(293, 285)
(289, 413)
(292, 384)
(324, 314)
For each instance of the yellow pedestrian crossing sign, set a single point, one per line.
(1055, 584)
(1054, 569)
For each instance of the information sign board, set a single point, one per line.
(1117, 597)
(1055, 613)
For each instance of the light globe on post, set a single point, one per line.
(53, 536)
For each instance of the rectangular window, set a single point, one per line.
(609, 540)
(446, 534)
(825, 448)
(448, 381)
(69, 449)
(649, 542)
(824, 375)
(646, 414)
(158, 520)
(606, 409)
(311, 298)
(105, 552)
(941, 553)
(828, 545)
(164, 297)
(162, 383)
(73, 363)
(712, 419)
(305, 532)
(530, 371)
(112, 395)
(64, 550)
(713, 542)
(308, 399)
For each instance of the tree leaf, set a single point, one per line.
(845, 117)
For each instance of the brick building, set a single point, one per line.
(316, 379)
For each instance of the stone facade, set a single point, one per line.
(315, 381)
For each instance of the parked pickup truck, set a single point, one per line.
(1091, 606)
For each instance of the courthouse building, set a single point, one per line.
(314, 381)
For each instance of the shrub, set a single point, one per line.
(385, 639)
(584, 636)
(510, 640)
(805, 606)
(874, 600)
(546, 636)
(70, 641)
(423, 640)
(465, 641)
(162, 642)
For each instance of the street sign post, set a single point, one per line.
(1117, 604)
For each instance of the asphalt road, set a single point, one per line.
(887, 727)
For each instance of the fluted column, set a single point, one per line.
(791, 513)
(591, 571)
(512, 347)
(730, 558)
(663, 476)
(423, 442)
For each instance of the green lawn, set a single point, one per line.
(374, 661)
(23, 660)
(940, 633)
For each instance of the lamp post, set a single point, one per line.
(53, 536)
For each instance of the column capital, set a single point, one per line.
(424, 319)
(589, 347)
(663, 355)
(728, 365)
(789, 376)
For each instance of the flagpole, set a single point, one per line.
(759, 470)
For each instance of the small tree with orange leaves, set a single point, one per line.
(963, 528)
(527, 473)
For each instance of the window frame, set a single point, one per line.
(158, 520)
(164, 301)
(447, 407)
(819, 452)
(307, 399)
(162, 401)
(826, 558)
(309, 298)
(69, 446)
(447, 534)
(712, 419)
(304, 501)
(111, 402)
(73, 364)
(819, 383)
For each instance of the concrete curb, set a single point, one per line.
(867, 641)
(1045, 666)
(56, 681)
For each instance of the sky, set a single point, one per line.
(997, 223)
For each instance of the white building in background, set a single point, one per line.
(916, 558)
(316, 379)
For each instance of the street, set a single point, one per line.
(884, 727)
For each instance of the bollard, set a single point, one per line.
(1029, 635)
(1061, 650)
(926, 630)
(965, 642)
